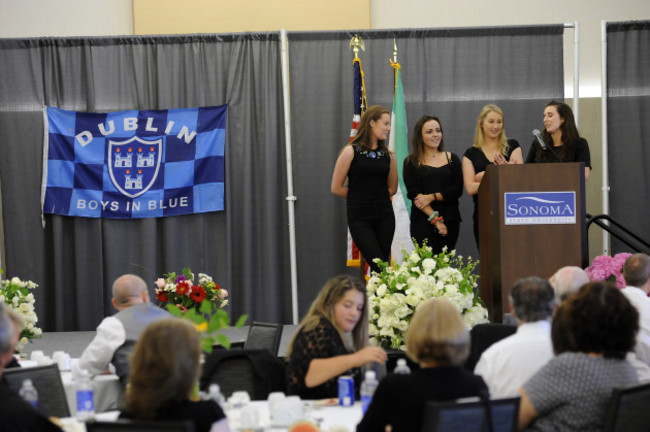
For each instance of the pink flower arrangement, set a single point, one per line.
(607, 268)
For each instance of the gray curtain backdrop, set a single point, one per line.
(628, 126)
(75, 260)
(450, 73)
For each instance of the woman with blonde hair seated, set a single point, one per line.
(164, 371)
(331, 341)
(438, 340)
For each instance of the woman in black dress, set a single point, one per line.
(331, 340)
(561, 134)
(490, 147)
(439, 341)
(164, 370)
(371, 174)
(434, 182)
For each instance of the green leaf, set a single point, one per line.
(223, 340)
(241, 321)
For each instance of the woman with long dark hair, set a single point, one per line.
(366, 175)
(434, 182)
(164, 371)
(561, 134)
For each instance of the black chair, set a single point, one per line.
(123, 425)
(47, 382)
(628, 409)
(469, 415)
(264, 336)
(256, 371)
(482, 336)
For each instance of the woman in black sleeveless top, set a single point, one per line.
(434, 182)
(561, 134)
(371, 173)
(490, 147)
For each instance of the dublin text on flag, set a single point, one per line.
(134, 164)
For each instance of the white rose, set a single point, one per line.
(429, 263)
(37, 331)
(29, 297)
(16, 281)
(381, 290)
(24, 340)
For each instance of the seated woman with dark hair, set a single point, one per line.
(438, 340)
(164, 371)
(592, 332)
(331, 340)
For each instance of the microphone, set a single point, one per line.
(537, 134)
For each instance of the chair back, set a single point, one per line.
(257, 372)
(628, 409)
(264, 336)
(469, 415)
(482, 336)
(47, 382)
(124, 425)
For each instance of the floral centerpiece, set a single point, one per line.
(199, 300)
(394, 293)
(607, 268)
(15, 294)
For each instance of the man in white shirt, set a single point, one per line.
(508, 364)
(636, 272)
(117, 334)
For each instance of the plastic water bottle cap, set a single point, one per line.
(371, 375)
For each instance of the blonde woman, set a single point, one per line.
(438, 340)
(164, 371)
(490, 147)
(331, 340)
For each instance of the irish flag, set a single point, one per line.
(398, 143)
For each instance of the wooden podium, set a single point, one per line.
(533, 236)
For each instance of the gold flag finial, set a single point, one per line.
(394, 51)
(355, 43)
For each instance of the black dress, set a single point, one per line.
(203, 413)
(324, 341)
(577, 153)
(446, 180)
(370, 212)
(480, 163)
(400, 399)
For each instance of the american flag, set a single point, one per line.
(359, 96)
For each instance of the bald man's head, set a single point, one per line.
(567, 281)
(129, 290)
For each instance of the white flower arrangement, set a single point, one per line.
(15, 294)
(394, 293)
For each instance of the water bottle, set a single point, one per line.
(29, 393)
(402, 368)
(214, 393)
(368, 387)
(85, 400)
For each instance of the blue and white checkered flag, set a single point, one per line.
(134, 164)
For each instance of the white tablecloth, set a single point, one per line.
(107, 391)
(330, 417)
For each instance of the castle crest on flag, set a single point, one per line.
(134, 164)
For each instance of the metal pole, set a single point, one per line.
(291, 199)
(603, 105)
